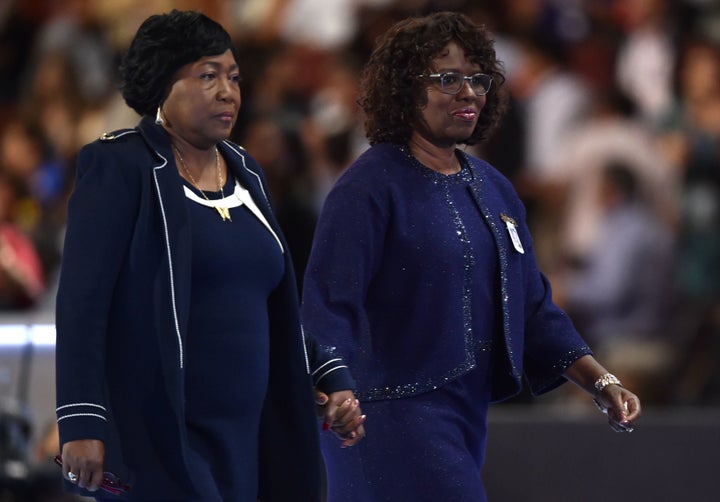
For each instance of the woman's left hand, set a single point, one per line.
(342, 414)
(621, 405)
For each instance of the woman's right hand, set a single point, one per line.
(342, 414)
(84, 458)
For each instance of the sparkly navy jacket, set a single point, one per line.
(381, 291)
(122, 314)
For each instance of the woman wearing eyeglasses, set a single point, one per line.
(182, 371)
(422, 276)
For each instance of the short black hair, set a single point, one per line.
(162, 45)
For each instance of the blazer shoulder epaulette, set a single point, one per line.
(117, 134)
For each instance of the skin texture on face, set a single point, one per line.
(446, 118)
(202, 105)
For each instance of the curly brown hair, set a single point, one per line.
(392, 94)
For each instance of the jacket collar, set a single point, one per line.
(241, 166)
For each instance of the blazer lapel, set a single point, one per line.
(172, 215)
(240, 164)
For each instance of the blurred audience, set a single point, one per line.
(612, 134)
(566, 63)
(552, 102)
(22, 279)
(691, 137)
(281, 154)
(647, 53)
(620, 293)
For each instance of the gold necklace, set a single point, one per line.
(224, 212)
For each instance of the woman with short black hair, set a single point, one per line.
(181, 365)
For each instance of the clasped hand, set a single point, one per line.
(341, 413)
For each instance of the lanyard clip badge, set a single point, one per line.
(512, 230)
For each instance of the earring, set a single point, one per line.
(158, 117)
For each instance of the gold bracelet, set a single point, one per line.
(604, 381)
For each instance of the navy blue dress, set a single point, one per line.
(235, 267)
(427, 285)
(443, 431)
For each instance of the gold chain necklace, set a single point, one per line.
(224, 212)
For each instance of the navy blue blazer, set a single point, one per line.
(381, 291)
(122, 315)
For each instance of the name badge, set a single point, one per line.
(512, 230)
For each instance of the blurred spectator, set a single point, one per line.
(70, 82)
(646, 55)
(26, 155)
(621, 294)
(333, 132)
(51, 102)
(75, 33)
(553, 102)
(40, 183)
(304, 135)
(612, 134)
(692, 138)
(22, 282)
(281, 155)
(283, 83)
(319, 23)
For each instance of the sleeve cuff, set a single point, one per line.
(72, 428)
(333, 376)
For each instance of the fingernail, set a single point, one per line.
(326, 426)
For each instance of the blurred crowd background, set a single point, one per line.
(612, 139)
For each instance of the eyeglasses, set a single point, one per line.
(452, 82)
(111, 483)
